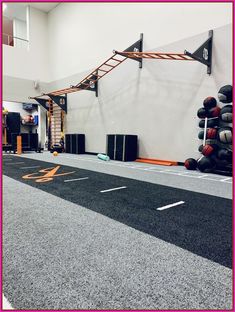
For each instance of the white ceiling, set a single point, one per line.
(18, 10)
(43, 6)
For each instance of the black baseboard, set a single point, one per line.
(91, 153)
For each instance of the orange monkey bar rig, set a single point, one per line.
(135, 52)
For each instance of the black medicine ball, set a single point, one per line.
(200, 148)
(205, 164)
(225, 135)
(226, 113)
(201, 135)
(225, 94)
(211, 123)
(202, 113)
(190, 164)
(209, 102)
(225, 154)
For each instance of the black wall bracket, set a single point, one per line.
(135, 47)
(61, 101)
(42, 102)
(204, 53)
(90, 84)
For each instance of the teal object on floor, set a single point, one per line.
(103, 157)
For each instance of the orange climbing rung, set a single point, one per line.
(116, 59)
(157, 55)
(108, 65)
(106, 71)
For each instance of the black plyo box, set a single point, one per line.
(13, 124)
(123, 147)
(75, 143)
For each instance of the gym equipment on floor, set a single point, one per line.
(211, 123)
(157, 162)
(225, 154)
(13, 121)
(202, 113)
(209, 102)
(214, 112)
(75, 143)
(211, 133)
(57, 148)
(226, 113)
(225, 135)
(208, 149)
(225, 94)
(103, 157)
(122, 147)
(4, 127)
(19, 145)
(205, 164)
(29, 142)
(190, 164)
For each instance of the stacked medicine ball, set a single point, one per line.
(215, 132)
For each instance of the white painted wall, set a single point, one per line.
(32, 63)
(82, 35)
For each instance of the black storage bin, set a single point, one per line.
(122, 147)
(13, 125)
(68, 145)
(75, 143)
(29, 141)
(111, 143)
(33, 141)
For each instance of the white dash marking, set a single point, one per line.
(226, 179)
(171, 205)
(113, 189)
(202, 176)
(79, 179)
(17, 163)
(30, 167)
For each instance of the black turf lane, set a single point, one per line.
(203, 225)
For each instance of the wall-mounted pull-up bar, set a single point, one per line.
(135, 52)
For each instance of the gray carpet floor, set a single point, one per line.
(58, 255)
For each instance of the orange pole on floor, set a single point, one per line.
(19, 145)
(5, 137)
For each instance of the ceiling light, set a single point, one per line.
(4, 6)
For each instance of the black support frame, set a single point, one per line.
(61, 101)
(204, 53)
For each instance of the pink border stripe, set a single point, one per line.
(215, 1)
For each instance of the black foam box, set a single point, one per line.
(123, 147)
(75, 143)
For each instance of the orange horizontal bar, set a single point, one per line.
(154, 55)
(157, 161)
